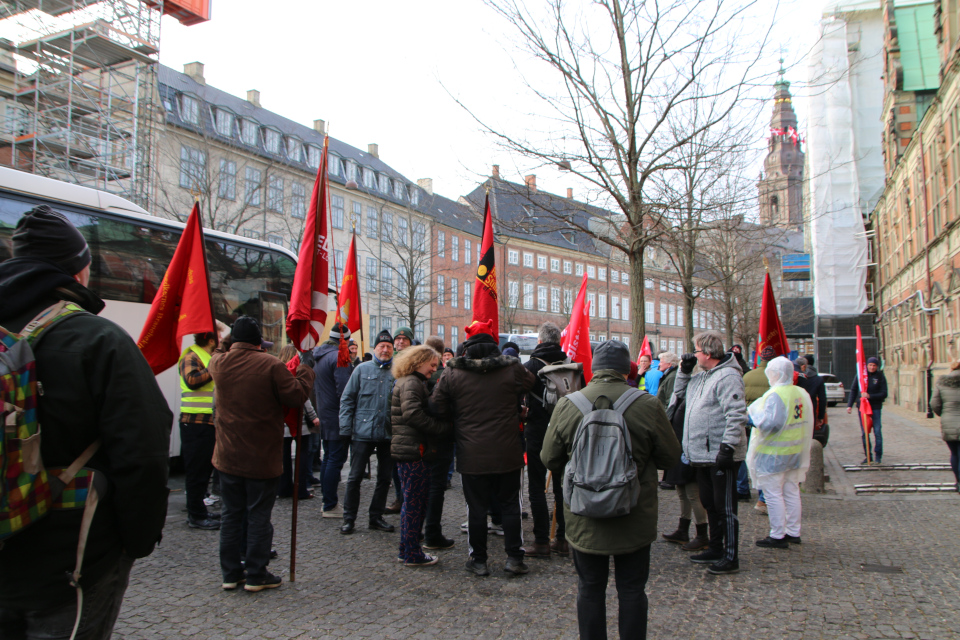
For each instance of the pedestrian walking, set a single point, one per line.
(876, 392)
(946, 404)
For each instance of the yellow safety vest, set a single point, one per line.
(196, 400)
(784, 450)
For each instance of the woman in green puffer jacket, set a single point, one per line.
(946, 404)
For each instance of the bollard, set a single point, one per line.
(814, 481)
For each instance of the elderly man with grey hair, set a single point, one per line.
(669, 363)
(714, 442)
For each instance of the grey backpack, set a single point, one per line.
(559, 379)
(600, 480)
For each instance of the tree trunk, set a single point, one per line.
(637, 298)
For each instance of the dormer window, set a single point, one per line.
(398, 190)
(369, 178)
(189, 109)
(414, 195)
(248, 132)
(224, 122)
(294, 150)
(335, 165)
(313, 159)
(352, 170)
(271, 140)
(384, 184)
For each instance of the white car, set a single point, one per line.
(835, 391)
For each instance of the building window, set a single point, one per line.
(298, 200)
(271, 140)
(592, 300)
(336, 211)
(528, 260)
(225, 121)
(418, 332)
(441, 243)
(372, 222)
(252, 181)
(648, 312)
(248, 133)
(478, 252)
(467, 295)
(440, 331)
(228, 180)
(625, 278)
(403, 227)
(384, 184)
(579, 269)
(338, 261)
(513, 292)
(663, 286)
(679, 316)
(602, 337)
(555, 265)
(398, 190)
(542, 263)
(356, 216)
(353, 171)
(602, 274)
(455, 248)
(369, 178)
(313, 160)
(466, 251)
(626, 341)
(663, 313)
(454, 337)
(388, 324)
(541, 298)
(419, 237)
(648, 283)
(294, 150)
(673, 315)
(454, 293)
(386, 278)
(189, 109)
(513, 256)
(250, 233)
(275, 194)
(402, 288)
(414, 195)
(615, 307)
(528, 295)
(591, 272)
(193, 169)
(386, 226)
(625, 310)
(567, 267)
(372, 276)
(440, 290)
(277, 240)
(602, 305)
(614, 276)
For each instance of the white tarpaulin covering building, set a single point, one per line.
(843, 151)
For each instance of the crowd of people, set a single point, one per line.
(708, 422)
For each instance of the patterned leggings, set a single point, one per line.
(415, 478)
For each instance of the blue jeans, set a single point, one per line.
(877, 435)
(256, 499)
(630, 571)
(101, 607)
(334, 455)
(743, 480)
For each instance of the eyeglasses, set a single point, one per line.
(696, 351)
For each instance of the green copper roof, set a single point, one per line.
(918, 47)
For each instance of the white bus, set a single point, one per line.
(131, 251)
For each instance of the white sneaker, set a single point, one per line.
(336, 512)
(495, 529)
(426, 562)
(211, 500)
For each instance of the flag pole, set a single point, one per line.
(296, 499)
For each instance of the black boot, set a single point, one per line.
(682, 534)
(701, 542)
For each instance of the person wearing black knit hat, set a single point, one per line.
(98, 389)
(876, 392)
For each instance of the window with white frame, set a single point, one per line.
(277, 240)
(336, 211)
(602, 337)
(602, 305)
(227, 189)
(554, 299)
(454, 292)
(384, 184)
(294, 150)
(625, 278)
(567, 267)
(251, 188)
(386, 277)
(418, 332)
(541, 298)
(467, 294)
(441, 243)
(528, 295)
(369, 178)
(419, 236)
(440, 291)
(271, 140)
(415, 199)
(625, 309)
(455, 248)
(189, 109)
(615, 307)
(398, 190)
(614, 276)
(579, 271)
(591, 272)
(467, 253)
(193, 169)
(648, 312)
(402, 289)
(338, 258)
(528, 260)
(663, 286)
(403, 226)
(440, 331)
(592, 300)
(371, 277)
(225, 121)
(513, 256)
(386, 226)
(663, 344)
(356, 216)
(353, 171)
(673, 346)
(248, 133)
(602, 274)
(513, 293)
(626, 341)
(454, 338)
(334, 165)
(664, 316)
(542, 263)
(648, 283)
(555, 265)
(673, 315)
(372, 222)
(250, 233)
(679, 316)
(313, 160)
(275, 194)
(567, 300)
(298, 200)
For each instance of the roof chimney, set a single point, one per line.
(569, 193)
(253, 97)
(496, 171)
(195, 71)
(426, 184)
(531, 181)
(373, 149)
(320, 126)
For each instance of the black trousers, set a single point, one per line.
(196, 449)
(537, 486)
(480, 491)
(718, 495)
(253, 499)
(360, 452)
(631, 571)
(432, 529)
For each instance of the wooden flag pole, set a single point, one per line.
(296, 499)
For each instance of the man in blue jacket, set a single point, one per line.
(877, 393)
(365, 426)
(332, 377)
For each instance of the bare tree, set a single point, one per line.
(625, 66)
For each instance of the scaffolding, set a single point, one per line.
(85, 92)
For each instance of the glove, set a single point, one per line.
(725, 457)
(687, 362)
(306, 357)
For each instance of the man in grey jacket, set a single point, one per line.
(365, 426)
(714, 441)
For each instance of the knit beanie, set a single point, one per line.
(44, 233)
(383, 336)
(875, 361)
(246, 329)
(406, 332)
(612, 354)
(338, 331)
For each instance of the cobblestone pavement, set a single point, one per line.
(351, 586)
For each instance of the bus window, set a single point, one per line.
(273, 319)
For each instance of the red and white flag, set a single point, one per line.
(866, 411)
(575, 339)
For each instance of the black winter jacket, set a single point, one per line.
(96, 384)
(415, 432)
(545, 353)
(328, 387)
(876, 387)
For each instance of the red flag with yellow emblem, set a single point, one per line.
(182, 305)
(485, 306)
(348, 304)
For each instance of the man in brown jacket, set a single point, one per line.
(480, 392)
(252, 388)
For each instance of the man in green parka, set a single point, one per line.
(626, 538)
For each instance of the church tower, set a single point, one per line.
(781, 183)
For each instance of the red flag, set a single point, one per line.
(291, 415)
(485, 287)
(645, 350)
(866, 411)
(772, 335)
(575, 339)
(348, 307)
(308, 298)
(182, 306)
